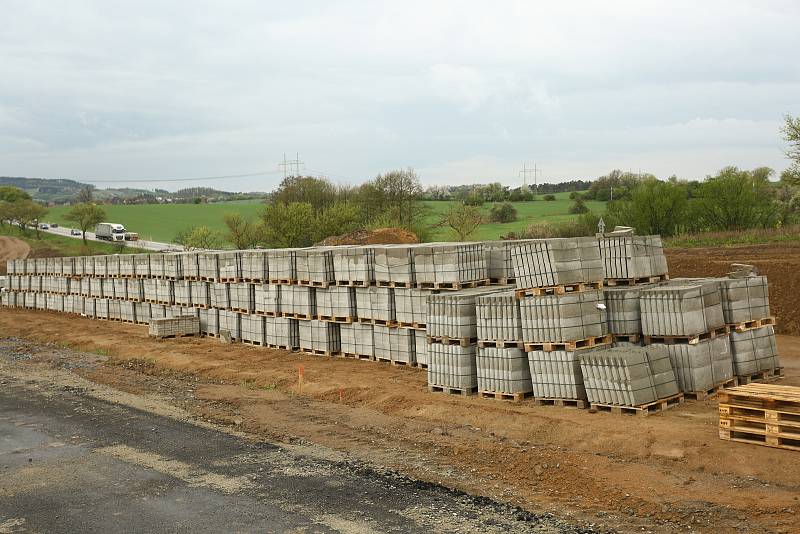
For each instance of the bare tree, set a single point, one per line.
(463, 220)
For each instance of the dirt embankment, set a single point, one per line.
(780, 262)
(381, 236)
(666, 472)
(12, 248)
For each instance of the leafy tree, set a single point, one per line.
(494, 192)
(574, 195)
(199, 237)
(654, 207)
(85, 195)
(474, 198)
(85, 216)
(339, 218)
(317, 192)
(289, 225)
(579, 206)
(27, 213)
(737, 200)
(397, 192)
(242, 232)
(463, 220)
(791, 134)
(549, 197)
(10, 193)
(520, 194)
(503, 213)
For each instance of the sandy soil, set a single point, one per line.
(664, 473)
(780, 262)
(12, 248)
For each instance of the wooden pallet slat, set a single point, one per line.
(453, 286)
(564, 403)
(594, 341)
(444, 340)
(466, 392)
(501, 395)
(688, 340)
(636, 281)
(558, 289)
(744, 326)
(500, 343)
(641, 410)
(712, 391)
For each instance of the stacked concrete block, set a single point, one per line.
(230, 266)
(191, 265)
(135, 290)
(315, 266)
(452, 367)
(703, 365)
(267, 299)
(354, 265)
(421, 350)
(230, 321)
(684, 309)
(126, 267)
(560, 318)
(101, 308)
(183, 292)
(298, 301)
(357, 340)
(164, 291)
(253, 329)
(29, 300)
(394, 264)
(255, 267)
(499, 318)
(157, 263)
(557, 374)
(319, 337)
(68, 266)
(158, 311)
(174, 327)
(627, 256)
(96, 287)
(112, 266)
(141, 312)
(555, 262)
(173, 266)
(449, 264)
(744, 299)
(242, 297)
(628, 376)
(220, 296)
(114, 310)
(499, 261)
(754, 350)
(503, 370)
(411, 306)
(141, 265)
(100, 266)
(208, 266)
(623, 312)
(336, 303)
(200, 293)
(55, 302)
(376, 303)
(79, 264)
(120, 288)
(453, 314)
(283, 332)
(282, 265)
(393, 344)
(50, 266)
(213, 322)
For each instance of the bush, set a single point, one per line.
(550, 198)
(503, 213)
(579, 207)
(474, 199)
(575, 195)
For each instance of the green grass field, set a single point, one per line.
(56, 245)
(161, 222)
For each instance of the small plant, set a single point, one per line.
(503, 213)
(549, 197)
(579, 207)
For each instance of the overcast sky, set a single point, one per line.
(461, 91)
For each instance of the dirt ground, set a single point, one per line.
(11, 248)
(779, 262)
(668, 472)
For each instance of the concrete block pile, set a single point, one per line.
(632, 257)
(555, 262)
(183, 325)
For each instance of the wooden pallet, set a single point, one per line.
(419, 365)
(502, 281)
(594, 341)
(558, 289)
(253, 343)
(389, 283)
(301, 316)
(564, 403)
(355, 356)
(282, 347)
(466, 392)
(400, 363)
(782, 435)
(415, 326)
(770, 375)
(641, 410)
(636, 281)
(501, 395)
(201, 306)
(240, 310)
(353, 283)
(192, 278)
(171, 336)
(234, 280)
(688, 340)
(501, 344)
(318, 352)
(712, 391)
(452, 286)
(379, 322)
(444, 340)
(267, 313)
(345, 319)
(282, 281)
(315, 283)
(744, 326)
(626, 338)
(254, 280)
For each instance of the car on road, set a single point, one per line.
(74, 232)
(53, 225)
(44, 226)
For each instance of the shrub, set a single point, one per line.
(503, 213)
(579, 207)
(549, 197)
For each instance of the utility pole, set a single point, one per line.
(524, 173)
(287, 165)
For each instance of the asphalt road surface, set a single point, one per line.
(147, 245)
(70, 462)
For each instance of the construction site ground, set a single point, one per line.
(569, 468)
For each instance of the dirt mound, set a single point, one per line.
(780, 262)
(12, 248)
(381, 236)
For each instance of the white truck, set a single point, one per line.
(110, 232)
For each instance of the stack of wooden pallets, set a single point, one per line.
(764, 414)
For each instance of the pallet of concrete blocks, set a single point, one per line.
(499, 320)
(503, 373)
(630, 380)
(499, 261)
(411, 306)
(68, 265)
(220, 295)
(120, 288)
(282, 265)
(230, 324)
(744, 299)
(242, 297)
(112, 266)
(141, 265)
(357, 341)
(452, 315)
(755, 354)
(97, 287)
(267, 299)
(632, 259)
(255, 266)
(394, 265)
(376, 305)
(200, 293)
(315, 266)
(127, 311)
(564, 321)
(100, 266)
(157, 266)
(55, 302)
(164, 292)
(565, 263)
(761, 414)
(703, 368)
(452, 369)
(319, 337)
(80, 265)
(190, 263)
(141, 312)
(421, 350)
(298, 302)
(114, 310)
(556, 376)
(282, 333)
(394, 345)
(173, 266)
(354, 265)
(101, 308)
(336, 304)
(450, 266)
(691, 310)
(183, 292)
(126, 268)
(253, 329)
(175, 327)
(208, 266)
(135, 290)
(623, 313)
(230, 266)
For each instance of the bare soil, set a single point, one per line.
(12, 248)
(380, 236)
(666, 472)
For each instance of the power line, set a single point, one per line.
(162, 180)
